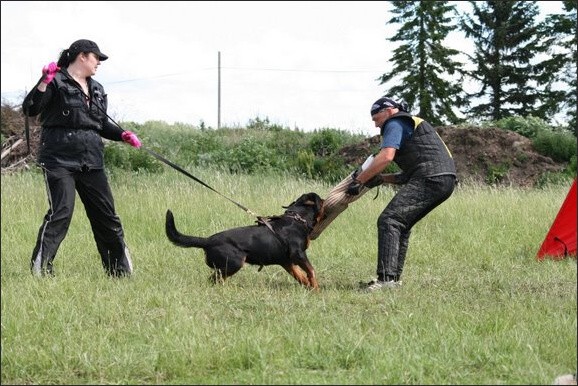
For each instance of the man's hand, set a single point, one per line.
(375, 181)
(354, 188)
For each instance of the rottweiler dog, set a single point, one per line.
(275, 240)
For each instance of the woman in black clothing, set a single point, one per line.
(72, 107)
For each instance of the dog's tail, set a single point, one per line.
(180, 239)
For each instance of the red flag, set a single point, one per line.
(560, 241)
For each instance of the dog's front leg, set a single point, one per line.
(301, 261)
(308, 268)
(297, 273)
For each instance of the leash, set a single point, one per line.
(180, 169)
(163, 159)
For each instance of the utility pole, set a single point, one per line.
(219, 92)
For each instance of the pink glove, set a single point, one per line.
(130, 138)
(49, 71)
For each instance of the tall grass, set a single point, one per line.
(476, 306)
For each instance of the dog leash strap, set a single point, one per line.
(265, 221)
(180, 169)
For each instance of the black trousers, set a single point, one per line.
(94, 191)
(412, 202)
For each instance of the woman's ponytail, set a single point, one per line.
(64, 59)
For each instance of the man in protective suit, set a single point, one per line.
(427, 178)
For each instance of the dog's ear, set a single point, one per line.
(317, 200)
(299, 201)
(307, 199)
(313, 199)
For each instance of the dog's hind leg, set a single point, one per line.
(223, 267)
(216, 277)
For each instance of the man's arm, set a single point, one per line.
(380, 162)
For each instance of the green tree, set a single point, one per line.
(507, 42)
(430, 78)
(558, 72)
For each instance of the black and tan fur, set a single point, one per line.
(282, 240)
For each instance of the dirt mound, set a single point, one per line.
(482, 155)
(493, 155)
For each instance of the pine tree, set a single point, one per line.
(424, 63)
(558, 73)
(507, 43)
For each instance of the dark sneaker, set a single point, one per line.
(377, 285)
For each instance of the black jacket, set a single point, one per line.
(72, 124)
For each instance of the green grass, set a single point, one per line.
(476, 306)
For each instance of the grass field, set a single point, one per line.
(476, 306)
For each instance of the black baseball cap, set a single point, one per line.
(85, 45)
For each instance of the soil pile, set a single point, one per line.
(482, 155)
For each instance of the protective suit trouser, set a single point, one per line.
(94, 191)
(411, 203)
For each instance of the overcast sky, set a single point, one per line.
(306, 65)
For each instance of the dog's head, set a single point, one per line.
(309, 206)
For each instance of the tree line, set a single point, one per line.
(521, 67)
